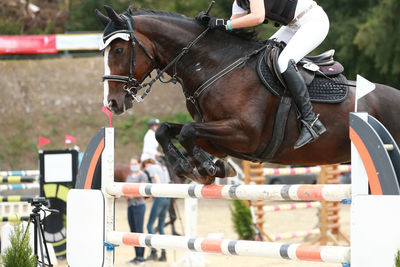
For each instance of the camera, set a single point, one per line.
(37, 201)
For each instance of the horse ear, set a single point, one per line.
(113, 15)
(105, 20)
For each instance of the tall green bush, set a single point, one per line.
(242, 220)
(20, 252)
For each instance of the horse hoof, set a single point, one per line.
(182, 168)
(225, 169)
(201, 179)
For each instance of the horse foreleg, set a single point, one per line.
(207, 169)
(165, 132)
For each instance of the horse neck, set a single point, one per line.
(206, 58)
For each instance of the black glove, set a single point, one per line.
(203, 18)
(216, 23)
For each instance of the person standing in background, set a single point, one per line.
(160, 205)
(150, 143)
(136, 208)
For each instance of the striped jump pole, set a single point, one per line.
(16, 198)
(10, 187)
(289, 235)
(300, 170)
(332, 254)
(17, 179)
(243, 192)
(294, 206)
(20, 173)
(14, 218)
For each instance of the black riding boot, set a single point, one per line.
(311, 127)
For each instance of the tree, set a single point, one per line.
(378, 37)
(83, 18)
(365, 36)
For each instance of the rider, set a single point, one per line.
(305, 27)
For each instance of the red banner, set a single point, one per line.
(28, 44)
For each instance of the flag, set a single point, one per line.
(69, 139)
(108, 113)
(43, 141)
(363, 87)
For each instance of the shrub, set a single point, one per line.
(20, 252)
(242, 220)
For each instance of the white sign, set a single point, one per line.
(57, 168)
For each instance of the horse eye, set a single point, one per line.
(119, 51)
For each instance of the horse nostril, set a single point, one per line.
(112, 103)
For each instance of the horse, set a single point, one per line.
(235, 115)
(121, 172)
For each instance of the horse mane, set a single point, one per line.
(246, 34)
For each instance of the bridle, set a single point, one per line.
(132, 86)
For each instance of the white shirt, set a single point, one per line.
(150, 146)
(301, 5)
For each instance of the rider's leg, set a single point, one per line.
(284, 34)
(312, 127)
(309, 35)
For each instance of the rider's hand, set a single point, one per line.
(203, 18)
(216, 23)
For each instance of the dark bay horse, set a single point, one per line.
(238, 113)
(121, 172)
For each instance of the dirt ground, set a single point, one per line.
(214, 217)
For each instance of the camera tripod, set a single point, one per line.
(39, 239)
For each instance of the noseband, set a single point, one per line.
(132, 86)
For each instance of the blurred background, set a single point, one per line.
(61, 93)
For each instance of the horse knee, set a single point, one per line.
(162, 135)
(187, 134)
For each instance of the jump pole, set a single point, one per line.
(20, 173)
(11, 187)
(243, 192)
(17, 179)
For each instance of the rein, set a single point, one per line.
(173, 63)
(207, 84)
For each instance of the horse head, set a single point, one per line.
(127, 60)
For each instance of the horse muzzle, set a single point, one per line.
(119, 107)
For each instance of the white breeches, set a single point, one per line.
(303, 36)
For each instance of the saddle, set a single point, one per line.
(322, 75)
